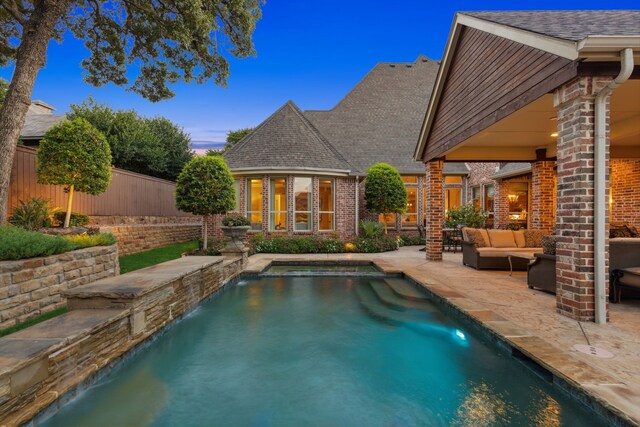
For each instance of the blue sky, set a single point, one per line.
(309, 52)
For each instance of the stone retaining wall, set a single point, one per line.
(43, 366)
(138, 238)
(31, 287)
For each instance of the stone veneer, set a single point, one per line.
(138, 238)
(31, 287)
(41, 366)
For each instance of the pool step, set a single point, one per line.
(372, 305)
(390, 298)
(405, 289)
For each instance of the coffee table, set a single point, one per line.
(524, 255)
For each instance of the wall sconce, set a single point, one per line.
(513, 198)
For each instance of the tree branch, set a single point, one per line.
(12, 7)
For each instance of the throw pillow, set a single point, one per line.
(476, 238)
(533, 238)
(549, 244)
(633, 230)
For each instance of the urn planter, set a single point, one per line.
(235, 235)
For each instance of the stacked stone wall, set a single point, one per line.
(31, 287)
(138, 238)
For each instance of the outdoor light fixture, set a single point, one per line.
(554, 135)
(513, 198)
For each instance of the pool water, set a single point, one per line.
(307, 351)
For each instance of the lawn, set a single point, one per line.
(155, 256)
(31, 322)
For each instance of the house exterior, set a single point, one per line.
(302, 172)
(560, 91)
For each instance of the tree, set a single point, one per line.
(151, 146)
(384, 191)
(234, 136)
(4, 85)
(75, 155)
(169, 40)
(205, 187)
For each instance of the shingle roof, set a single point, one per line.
(285, 140)
(573, 25)
(36, 125)
(455, 168)
(512, 169)
(379, 120)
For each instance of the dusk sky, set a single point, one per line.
(309, 52)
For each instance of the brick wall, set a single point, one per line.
(435, 210)
(575, 216)
(544, 185)
(31, 287)
(138, 238)
(625, 191)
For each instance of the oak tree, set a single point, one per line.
(166, 40)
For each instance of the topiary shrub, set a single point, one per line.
(205, 187)
(384, 191)
(76, 219)
(75, 155)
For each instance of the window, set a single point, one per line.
(488, 198)
(236, 187)
(409, 179)
(302, 204)
(518, 196)
(452, 198)
(475, 197)
(278, 204)
(453, 179)
(327, 205)
(410, 219)
(254, 202)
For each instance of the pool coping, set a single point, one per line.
(601, 392)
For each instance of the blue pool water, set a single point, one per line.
(304, 351)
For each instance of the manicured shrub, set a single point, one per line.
(76, 220)
(467, 215)
(407, 240)
(205, 187)
(384, 191)
(314, 244)
(380, 244)
(33, 214)
(76, 156)
(17, 243)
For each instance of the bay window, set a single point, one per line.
(254, 202)
(278, 204)
(302, 204)
(326, 194)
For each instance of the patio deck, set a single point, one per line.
(521, 315)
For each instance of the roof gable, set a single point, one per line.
(286, 140)
(379, 119)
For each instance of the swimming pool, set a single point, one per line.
(321, 351)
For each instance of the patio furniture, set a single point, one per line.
(624, 261)
(541, 273)
(624, 255)
(451, 238)
(495, 255)
(529, 256)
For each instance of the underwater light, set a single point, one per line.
(460, 334)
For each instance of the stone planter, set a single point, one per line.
(235, 235)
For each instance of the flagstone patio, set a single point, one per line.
(527, 319)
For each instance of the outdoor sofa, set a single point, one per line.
(490, 249)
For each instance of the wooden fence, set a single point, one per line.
(129, 194)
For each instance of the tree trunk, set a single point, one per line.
(30, 57)
(204, 232)
(67, 217)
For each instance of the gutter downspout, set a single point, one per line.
(357, 204)
(626, 68)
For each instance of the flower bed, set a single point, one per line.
(319, 245)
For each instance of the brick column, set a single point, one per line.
(435, 209)
(575, 201)
(543, 196)
(500, 205)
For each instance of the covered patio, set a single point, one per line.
(561, 90)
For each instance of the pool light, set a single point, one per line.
(461, 335)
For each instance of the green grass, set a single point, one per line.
(155, 256)
(34, 321)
